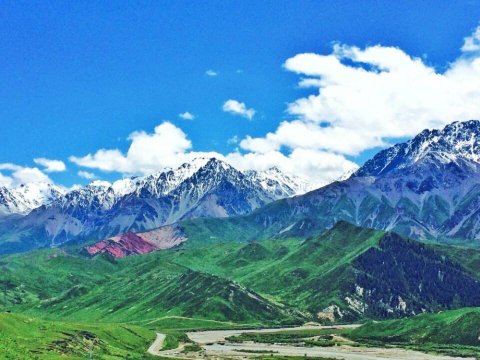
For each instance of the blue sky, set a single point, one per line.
(76, 77)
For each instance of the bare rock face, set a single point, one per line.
(136, 244)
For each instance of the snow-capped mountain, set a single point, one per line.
(205, 187)
(26, 197)
(458, 141)
(275, 181)
(347, 174)
(427, 188)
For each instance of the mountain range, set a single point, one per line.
(427, 189)
(205, 187)
(209, 246)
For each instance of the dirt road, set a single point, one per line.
(156, 347)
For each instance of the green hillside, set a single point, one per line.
(26, 338)
(456, 332)
(343, 275)
(346, 274)
(59, 284)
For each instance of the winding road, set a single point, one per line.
(156, 347)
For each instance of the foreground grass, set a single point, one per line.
(24, 337)
(452, 332)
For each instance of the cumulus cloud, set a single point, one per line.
(211, 72)
(235, 107)
(366, 97)
(166, 147)
(472, 43)
(169, 147)
(6, 181)
(18, 175)
(361, 98)
(186, 116)
(86, 175)
(50, 165)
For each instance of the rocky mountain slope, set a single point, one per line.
(206, 187)
(457, 143)
(127, 244)
(427, 188)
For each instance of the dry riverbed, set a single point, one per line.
(215, 345)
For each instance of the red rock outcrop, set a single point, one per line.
(141, 243)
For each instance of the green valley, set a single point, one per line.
(347, 274)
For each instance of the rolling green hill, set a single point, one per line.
(346, 274)
(59, 284)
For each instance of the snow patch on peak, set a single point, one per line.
(274, 181)
(347, 174)
(100, 183)
(26, 197)
(190, 189)
(456, 142)
(125, 186)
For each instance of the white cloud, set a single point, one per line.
(165, 147)
(361, 99)
(21, 175)
(366, 97)
(211, 72)
(238, 108)
(86, 175)
(51, 165)
(186, 116)
(10, 166)
(472, 43)
(168, 146)
(28, 175)
(6, 181)
(233, 140)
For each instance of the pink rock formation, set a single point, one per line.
(141, 243)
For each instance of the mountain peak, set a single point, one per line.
(26, 197)
(458, 141)
(214, 162)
